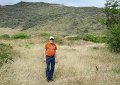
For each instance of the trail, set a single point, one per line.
(77, 66)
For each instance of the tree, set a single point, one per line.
(112, 11)
(113, 38)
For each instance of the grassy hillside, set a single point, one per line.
(79, 63)
(85, 63)
(51, 17)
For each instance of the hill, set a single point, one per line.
(45, 16)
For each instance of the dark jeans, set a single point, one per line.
(50, 62)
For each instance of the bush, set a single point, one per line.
(94, 38)
(6, 53)
(4, 36)
(90, 37)
(20, 36)
(113, 38)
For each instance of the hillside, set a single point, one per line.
(45, 16)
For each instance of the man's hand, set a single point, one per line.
(56, 60)
(44, 60)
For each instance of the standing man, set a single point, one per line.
(50, 58)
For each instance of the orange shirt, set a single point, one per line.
(50, 49)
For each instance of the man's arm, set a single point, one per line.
(55, 55)
(44, 55)
(56, 60)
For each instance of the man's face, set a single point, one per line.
(51, 40)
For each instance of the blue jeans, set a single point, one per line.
(50, 62)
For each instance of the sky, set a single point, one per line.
(76, 3)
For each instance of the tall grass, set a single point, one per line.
(85, 63)
(76, 66)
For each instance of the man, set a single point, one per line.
(50, 58)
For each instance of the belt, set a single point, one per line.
(49, 56)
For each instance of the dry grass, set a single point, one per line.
(8, 31)
(83, 64)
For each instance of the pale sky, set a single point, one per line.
(76, 3)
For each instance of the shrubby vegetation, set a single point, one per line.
(94, 38)
(6, 53)
(15, 36)
(5, 36)
(113, 38)
(20, 36)
(89, 37)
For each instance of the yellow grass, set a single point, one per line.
(83, 64)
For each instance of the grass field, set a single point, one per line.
(85, 63)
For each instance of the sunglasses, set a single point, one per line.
(51, 39)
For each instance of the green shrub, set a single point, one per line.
(4, 36)
(90, 37)
(20, 36)
(103, 38)
(113, 38)
(94, 38)
(6, 53)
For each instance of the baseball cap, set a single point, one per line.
(51, 37)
